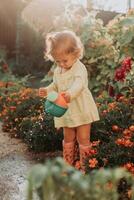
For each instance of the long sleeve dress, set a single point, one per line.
(82, 108)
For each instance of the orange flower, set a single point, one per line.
(77, 165)
(128, 143)
(2, 84)
(127, 133)
(131, 128)
(124, 142)
(93, 162)
(130, 167)
(112, 106)
(115, 128)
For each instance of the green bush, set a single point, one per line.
(58, 181)
(41, 136)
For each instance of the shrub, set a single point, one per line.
(41, 136)
(58, 181)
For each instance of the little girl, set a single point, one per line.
(71, 79)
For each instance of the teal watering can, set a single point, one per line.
(55, 104)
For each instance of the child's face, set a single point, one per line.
(65, 60)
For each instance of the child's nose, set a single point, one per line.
(62, 64)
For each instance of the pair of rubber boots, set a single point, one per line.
(73, 152)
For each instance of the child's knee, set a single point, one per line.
(83, 140)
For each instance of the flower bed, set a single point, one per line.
(114, 134)
(23, 117)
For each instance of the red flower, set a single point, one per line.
(120, 74)
(131, 128)
(126, 64)
(12, 108)
(5, 67)
(93, 151)
(119, 97)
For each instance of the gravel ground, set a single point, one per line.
(15, 163)
(13, 177)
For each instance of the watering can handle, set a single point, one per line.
(63, 94)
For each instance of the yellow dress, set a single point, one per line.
(82, 108)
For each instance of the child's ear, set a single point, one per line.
(77, 53)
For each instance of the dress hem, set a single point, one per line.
(75, 125)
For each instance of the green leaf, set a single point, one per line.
(127, 22)
(127, 38)
(38, 175)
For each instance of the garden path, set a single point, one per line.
(15, 163)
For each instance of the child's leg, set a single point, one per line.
(69, 144)
(83, 134)
(83, 137)
(69, 134)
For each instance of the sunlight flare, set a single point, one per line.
(39, 13)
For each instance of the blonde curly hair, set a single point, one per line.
(64, 42)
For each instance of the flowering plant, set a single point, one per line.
(123, 80)
(114, 133)
(22, 116)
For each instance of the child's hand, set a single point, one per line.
(42, 92)
(67, 96)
